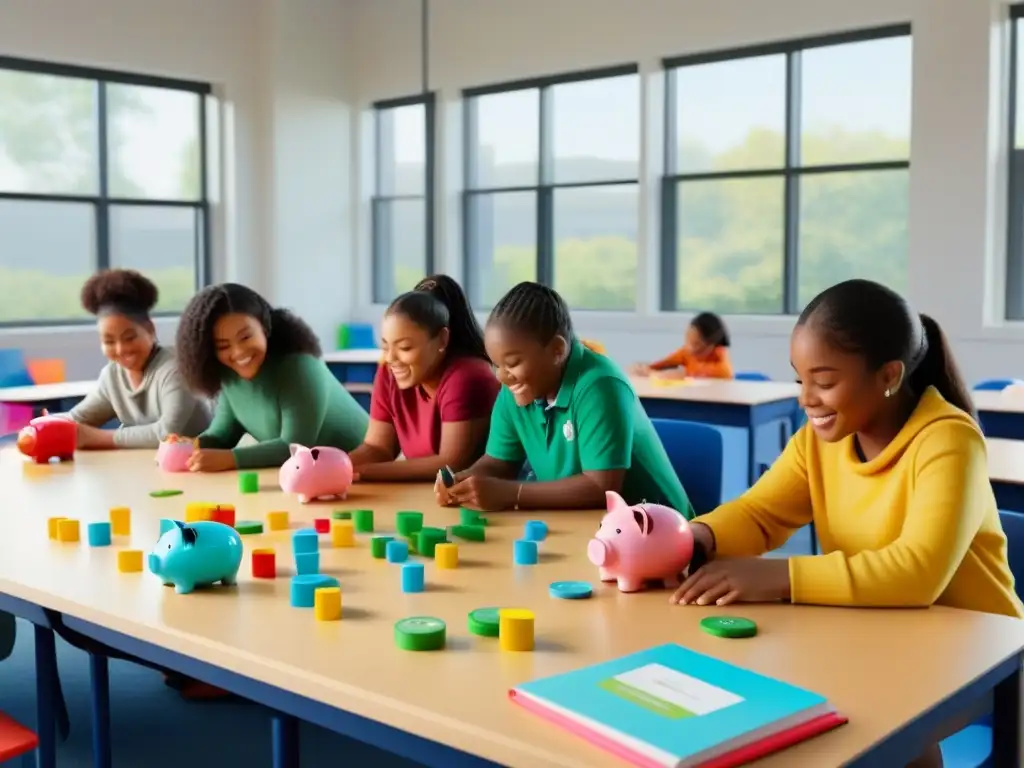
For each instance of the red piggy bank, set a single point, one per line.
(49, 436)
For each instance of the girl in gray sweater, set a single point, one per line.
(140, 386)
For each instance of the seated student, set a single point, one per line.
(890, 467)
(705, 354)
(140, 386)
(567, 410)
(265, 367)
(433, 396)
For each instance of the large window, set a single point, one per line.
(98, 169)
(402, 207)
(1015, 239)
(551, 170)
(787, 171)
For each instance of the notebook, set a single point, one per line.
(672, 707)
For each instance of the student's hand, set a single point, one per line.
(88, 437)
(485, 494)
(211, 460)
(736, 580)
(441, 492)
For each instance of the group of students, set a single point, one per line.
(891, 465)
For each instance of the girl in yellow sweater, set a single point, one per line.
(891, 467)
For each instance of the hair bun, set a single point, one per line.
(119, 287)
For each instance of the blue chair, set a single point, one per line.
(972, 746)
(752, 376)
(13, 370)
(697, 454)
(993, 385)
(360, 336)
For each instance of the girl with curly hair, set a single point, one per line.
(141, 386)
(264, 365)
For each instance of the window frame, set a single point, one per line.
(102, 202)
(380, 250)
(1014, 288)
(545, 187)
(790, 171)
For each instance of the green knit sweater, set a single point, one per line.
(293, 399)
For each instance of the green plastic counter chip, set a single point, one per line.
(340, 514)
(483, 622)
(469, 532)
(728, 626)
(249, 526)
(420, 633)
(164, 494)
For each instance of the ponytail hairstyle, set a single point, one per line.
(535, 310)
(712, 329)
(197, 356)
(438, 302)
(868, 319)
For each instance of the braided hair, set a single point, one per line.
(534, 309)
(439, 302)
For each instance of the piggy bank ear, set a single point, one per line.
(643, 520)
(614, 501)
(294, 448)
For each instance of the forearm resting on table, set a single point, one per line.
(367, 454)
(488, 466)
(584, 491)
(422, 468)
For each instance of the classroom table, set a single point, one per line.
(1006, 471)
(450, 708)
(1001, 413)
(749, 405)
(354, 365)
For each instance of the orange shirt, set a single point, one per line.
(716, 365)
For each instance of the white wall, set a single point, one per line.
(281, 220)
(956, 188)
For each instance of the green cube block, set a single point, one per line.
(340, 514)
(408, 523)
(469, 532)
(362, 519)
(248, 482)
(428, 538)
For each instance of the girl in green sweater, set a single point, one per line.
(265, 367)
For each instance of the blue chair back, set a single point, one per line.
(360, 336)
(1013, 527)
(697, 453)
(993, 385)
(752, 376)
(13, 370)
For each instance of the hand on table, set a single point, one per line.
(211, 460)
(441, 492)
(736, 580)
(485, 494)
(93, 437)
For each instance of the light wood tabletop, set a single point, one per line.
(875, 666)
(36, 393)
(1005, 460)
(1005, 401)
(354, 356)
(720, 391)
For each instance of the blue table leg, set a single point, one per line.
(46, 688)
(284, 736)
(101, 747)
(1006, 721)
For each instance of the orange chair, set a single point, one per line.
(594, 346)
(17, 741)
(46, 371)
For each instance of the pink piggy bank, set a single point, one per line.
(173, 454)
(316, 473)
(639, 544)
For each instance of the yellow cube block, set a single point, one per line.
(68, 530)
(129, 560)
(446, 555)
(51, 526)
(121, 521)
(277, 521)
(327, 603)
(515, 629)
(197, 511)
(343, 533)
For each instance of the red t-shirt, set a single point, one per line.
(467, 391)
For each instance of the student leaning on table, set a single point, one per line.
(704, 355)
(568, 411)
(265, 367)
(140, 386)
(891, 468)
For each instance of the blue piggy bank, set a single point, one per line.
(189, 555)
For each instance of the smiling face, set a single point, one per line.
(531, 370)
(240, 343)
(840, 394)
(126, 341)
(412, 355)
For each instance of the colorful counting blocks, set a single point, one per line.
(51, 526)
(412, 577)
(307, 563)
(248, 482)
(524, 552)
(322, 525)
(98, 534)
(428, 538)
(303, 589)
(305, 541)
(264, 564)
(397, 551)
(363, 519)
(408, 523)
(198, 511)
(121, 521)
(535, 530)
(446, 555)
(515, 629)
(277, 521)
(129, 560)
(469, 532)
(68, 530)
(379, 546)
(327, 603)
(223, 513)
(343, 534)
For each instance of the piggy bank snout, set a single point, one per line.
(154, 563)
(601, 552)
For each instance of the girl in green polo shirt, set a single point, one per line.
(568, 411)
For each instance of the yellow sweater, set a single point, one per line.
(914, 526)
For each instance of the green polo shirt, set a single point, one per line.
(595, 424)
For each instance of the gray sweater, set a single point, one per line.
(161, 406)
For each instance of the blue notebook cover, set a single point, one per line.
(673, 699)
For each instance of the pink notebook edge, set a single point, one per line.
(775, 742)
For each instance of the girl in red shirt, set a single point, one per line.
(434, 390)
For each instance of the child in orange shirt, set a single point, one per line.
(704, 355)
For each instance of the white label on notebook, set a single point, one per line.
(668, 692)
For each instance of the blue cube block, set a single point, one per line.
(307, 563)
(412, 577)
(305, 541)
(397, 551)
(98, 534)
(524, 552)
(303, 589)
(535, 530)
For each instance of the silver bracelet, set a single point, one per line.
(518, 494)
